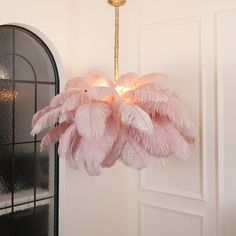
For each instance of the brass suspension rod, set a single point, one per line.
(116, 4)
(116, 49)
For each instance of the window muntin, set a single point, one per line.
(28, 178)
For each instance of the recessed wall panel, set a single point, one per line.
(174, 47)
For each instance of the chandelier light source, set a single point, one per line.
(135, 119)
(7, 95)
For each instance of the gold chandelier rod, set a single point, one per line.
(116, 4)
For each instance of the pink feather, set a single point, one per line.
(131, 153)
(97, 78)
(74, 164)
(103, 93)
(177, 144)
(150, 78)
(67, 117)
(59, 99)
(176, 113)
(91, 120)
(163, 142)
(157, 143)
(77, 83)
(39, 114)
(53, 135)
(73, 102)
(111, 158)
(93, 152)
(147, 93)
(134, 116)
(111, 137)
(46, 121)
(98, 126)
(127, 80)
(66, 140)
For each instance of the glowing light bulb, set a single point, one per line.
(121, 90)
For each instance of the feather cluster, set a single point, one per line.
(97, 121)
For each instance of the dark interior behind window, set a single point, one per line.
(28, 178)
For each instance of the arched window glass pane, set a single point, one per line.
(28, 177)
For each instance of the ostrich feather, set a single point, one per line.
(77, 83)
(91, 154)
(146, 93)
(91, 120)
(180, 118)
(108, 142)
(53, 135)
(66, 140)
(111, 157)
(176, 113)
(103, 93)
(127, 80)
(46, 121)
(39, 114)
(141, 122)
(73, 163)
(59, 99)
(160, 89)
(73, 102)
(67, 117)
(97, 78)
(157, 143)
(163, 142)
(177, 144)
(115, 153)
(134, 116)
(150, 78)
(94, 152)
(132, 154)
(109, 137)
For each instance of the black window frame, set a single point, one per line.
(56, 159)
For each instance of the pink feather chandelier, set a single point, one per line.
(135, 119)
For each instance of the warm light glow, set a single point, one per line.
(122, 90)
(3, 74)
(7, 95)
(100, 84)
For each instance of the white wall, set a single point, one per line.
(202, 193)
(82, 33)
(194, 42)
(96, 205)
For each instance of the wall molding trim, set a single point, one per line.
(202, 196)
(194, 214)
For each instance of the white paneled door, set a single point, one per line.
(194, 42)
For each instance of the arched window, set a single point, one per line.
(28, 178)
